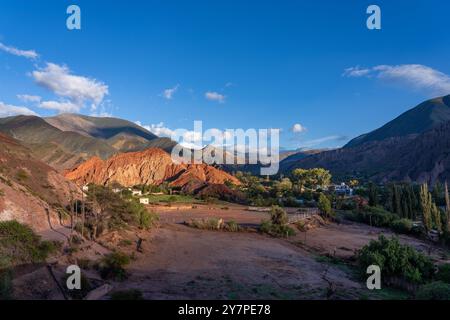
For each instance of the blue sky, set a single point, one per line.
(231, 64)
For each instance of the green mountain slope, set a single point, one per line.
(426, 116)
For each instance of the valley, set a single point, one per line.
(105, 195)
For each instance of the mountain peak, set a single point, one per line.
(424, 117)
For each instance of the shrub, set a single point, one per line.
(376, 216)
(276, 230)
(396, 260)
(2, 193)
(232, 226)
(278, 216)
(402, 226)
(21, 175)
(434, 291)
(324, 206)
(147, 219)
(132, 294)
(20, 245)
(112, 266)
(444, 273)
(277, 226)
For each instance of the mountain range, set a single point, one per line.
(67, 140)
(413, 147)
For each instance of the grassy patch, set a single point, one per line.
(21, 175)
(276, 230)
(20, 245)
(112, 266)
(165, 198)
(215, 224)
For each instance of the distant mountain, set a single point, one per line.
(152, 166)
(426, 116)
(67, 140)
(98, 127)
(31, 192)
(122, 135)
(405, 149)
(60, 149)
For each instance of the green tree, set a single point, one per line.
(373, 195)
(428, 207)
(324, 205)
(278, 216)
(312, 178)
(447, 207)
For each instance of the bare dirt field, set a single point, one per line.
(180, 262)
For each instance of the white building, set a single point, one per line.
(85, 188)
(137, 193)
(343, 189)
(144, 200)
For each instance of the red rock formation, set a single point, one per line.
(152, 166)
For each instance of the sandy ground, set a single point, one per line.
(184, 263)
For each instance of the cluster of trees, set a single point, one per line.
(105, 210)
(404, 203)
(405, 267)
(302, 183)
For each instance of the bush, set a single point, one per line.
(232, 226)
(402, 226)
(20, 245)
(147, 219)
(444, 273)
(278, 216)
(132, 294)
(396, 260)
(276, 230)
(112, 266)
(376, 216)
(21, 175)
(434, 291)
(277, 226)
(324, 206)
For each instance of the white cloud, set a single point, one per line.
(215, 96)
(298, 128)
(356, 72)
(158, 129)
(7, 110)
(168, 93)
(78, 90)
(29, 54)
(60, 106)
(416, 75)
(29, 98)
